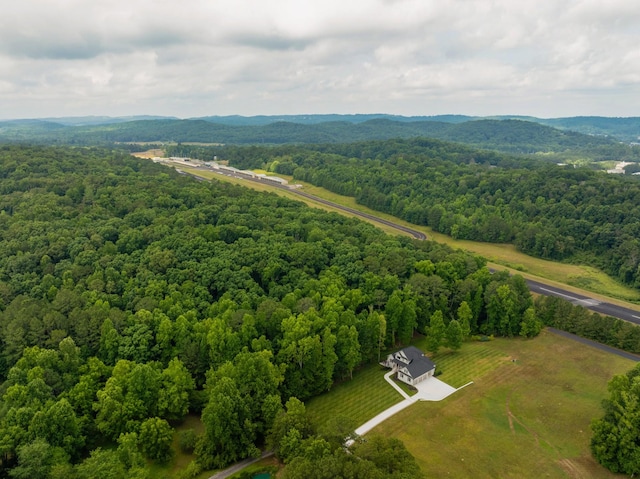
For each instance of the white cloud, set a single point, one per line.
(201, 57)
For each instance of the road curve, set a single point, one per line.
(598, 306)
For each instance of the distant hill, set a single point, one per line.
(86, 120)
(625, 129)
(104, 120)
(622, 129)
(508, 135)
(237, 120)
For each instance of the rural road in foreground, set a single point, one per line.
(535, 286)
(237, 467)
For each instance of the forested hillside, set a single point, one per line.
(512, 136)
(624, 129)
(549, 211)
(131, 295)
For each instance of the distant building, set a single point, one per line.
(619, 169)
(276, 179)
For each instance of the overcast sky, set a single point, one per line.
(547, 58)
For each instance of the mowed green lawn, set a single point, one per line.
(368, 394)
(359, 399)
(524, 419)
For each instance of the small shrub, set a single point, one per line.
(187, 440)
(483, 338)
(192, 470)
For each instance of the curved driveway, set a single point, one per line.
(431, 389)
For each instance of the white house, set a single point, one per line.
(411, 365)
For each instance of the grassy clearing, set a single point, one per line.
(359, 399)
(149, 154)
(180, 460)
(524, 419)
(471, 362)
(368, 394)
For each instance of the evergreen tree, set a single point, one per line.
(435, 332)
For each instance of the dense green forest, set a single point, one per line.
(561, 314)
(131, 295)
(616, 434)
(555, 212)
(512, 136)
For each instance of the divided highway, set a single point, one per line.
(598, 306)
(415, 233)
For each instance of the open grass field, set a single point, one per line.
(524, 419)
(471, 362)
(149, 154)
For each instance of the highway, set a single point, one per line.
(415, 233)
(598, 306)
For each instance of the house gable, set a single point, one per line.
(411, 364)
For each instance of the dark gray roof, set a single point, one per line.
(418, 364)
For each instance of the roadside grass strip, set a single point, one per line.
(359, 399)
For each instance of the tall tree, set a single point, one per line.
(530, 326)
(408, 321)
(347, 349)
(454, 335)
(436, 332)
(465, 316)
(36, 459)
(393, 312)
(616, 437)
(292, 418)
(155, 439)
(229, 433)
(176, 388)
